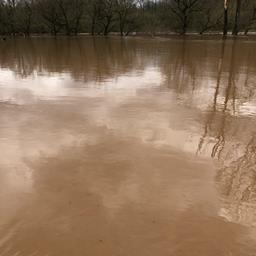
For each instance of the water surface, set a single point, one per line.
(127, 147)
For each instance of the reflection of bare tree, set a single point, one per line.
(241, 166)
(212, 114)
(237, 176)
(174, 68)
(181, 67)
(184, 63)
(219, 146)
(89, 59)
(223, 113)
(250, 89)
(237, 182)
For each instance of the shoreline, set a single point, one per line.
(190, 36)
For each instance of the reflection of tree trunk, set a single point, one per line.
(181, 66)
(219, 146)
(237, 17)
(220, 65)
(251, 90)
(231, 76)
(216, 93)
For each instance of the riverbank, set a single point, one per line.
(205, 36)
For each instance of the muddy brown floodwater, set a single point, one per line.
(134, 147)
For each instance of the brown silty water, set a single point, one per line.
(127, 147)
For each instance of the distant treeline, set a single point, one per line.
(100, 17)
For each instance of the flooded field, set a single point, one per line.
(134, 147)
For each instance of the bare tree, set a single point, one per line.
(65, 14)
(3, 18)
(237, 17)
(107, 16)
(124, 10)
(95, 10)
(64, 9)
(11, 16)
(48, 9)
(209, 16)
(78, 13)
(249, 19)
(183, 10)
(26, 10)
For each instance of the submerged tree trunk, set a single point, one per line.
(93, 25)
(185, 25)
(121, 24)
(106, 29)
(107, 25)
(121, 29)
(225, 25)
(237, 18)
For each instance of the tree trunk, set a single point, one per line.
(77, 25)
(28, 26)
(225, 26)
(107, 25)
(106, 30)
(66, 20)
(237, 18)
(121, 30)
(93, 26)
(246, 31)
(185, 25)
(121, 27)
(54, 29)
(67, 28)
